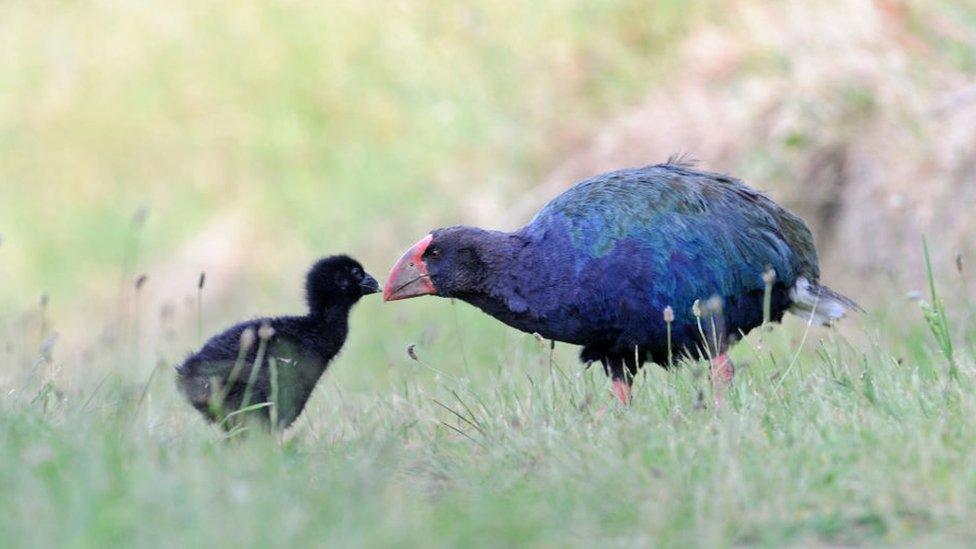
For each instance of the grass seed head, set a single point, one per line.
(202, 280)
(247, 339)
(769, 276)
(668, 314)
(412, 352)
(715, 305)
(46, 349)
(141, 281)
(140, 215)
(959, 262)
(696, 308)
(266, 332)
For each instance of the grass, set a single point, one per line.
(865, 441)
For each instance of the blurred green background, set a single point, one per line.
(244, 139)
(338, 126)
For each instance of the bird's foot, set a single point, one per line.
(722, 370)
(621, 389)
(722, 373)
(600, 413)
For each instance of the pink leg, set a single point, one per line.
(621, 389)
(722, 373)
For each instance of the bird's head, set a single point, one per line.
(337, 280)
(448, 262)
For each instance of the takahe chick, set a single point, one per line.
(220, 379)
(619, 261)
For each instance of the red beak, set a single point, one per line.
(409, 277)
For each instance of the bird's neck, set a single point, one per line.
(500, 250)
(330, 326)
(331, 314)
(512, 264)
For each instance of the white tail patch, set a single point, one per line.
(819, 304)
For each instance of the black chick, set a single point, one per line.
(221, 378)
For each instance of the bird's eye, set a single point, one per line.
(433, 252)
(356, 271)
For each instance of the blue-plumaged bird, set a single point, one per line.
(618, 259)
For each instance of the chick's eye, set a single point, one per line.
(434, 252)
(356, 271)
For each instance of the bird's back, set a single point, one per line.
(677, 202)
(301, 349)
(632, 242)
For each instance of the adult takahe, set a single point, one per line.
(616, 260)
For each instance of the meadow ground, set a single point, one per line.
(487, 439)
(246, 138)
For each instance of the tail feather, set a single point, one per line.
(820, 304)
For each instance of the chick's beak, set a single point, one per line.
(409, 277)
(369, 285)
